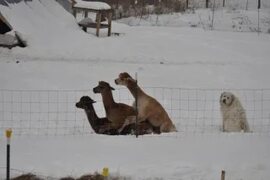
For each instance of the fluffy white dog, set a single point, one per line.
(233, 114)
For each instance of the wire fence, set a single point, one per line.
(53, 112)
(232, 4)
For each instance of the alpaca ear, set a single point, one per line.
(130, 79)
(93, 101)
(112, 88)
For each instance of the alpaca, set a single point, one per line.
(117, 113)
(98, 124)
(148, 107)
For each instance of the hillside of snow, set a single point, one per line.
(178, 52)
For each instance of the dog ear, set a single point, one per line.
(233, 98)
(221, 96)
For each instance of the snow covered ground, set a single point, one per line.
(60, 56)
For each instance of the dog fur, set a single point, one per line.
(233, 114)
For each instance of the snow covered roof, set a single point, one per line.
(92, 5)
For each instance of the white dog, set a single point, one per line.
(233, 114)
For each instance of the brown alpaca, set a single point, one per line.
(148, 107)
(99, 124)
(116, 113)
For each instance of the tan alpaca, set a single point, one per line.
(148, 107)
(233, 114)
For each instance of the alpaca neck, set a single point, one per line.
(108, 100)
(91, 116)
(135, 90)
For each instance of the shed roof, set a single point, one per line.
(4, 25)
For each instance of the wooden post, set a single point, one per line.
(186, 4)
(109, 23)
(206, 3)
(85, 14)
(247, 5)
(223, 3)
(222, 175)
(259, 6)
(98, 22)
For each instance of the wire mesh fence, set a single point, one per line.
(53, 112)
(232, 4)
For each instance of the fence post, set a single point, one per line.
(213, 15)
(223, 3)
(136, 106)
(8, 136)
(247, 5)
(222, 175)
(206, 3)
(259, 7)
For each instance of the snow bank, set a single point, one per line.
(149, 157)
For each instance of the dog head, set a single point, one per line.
(84, 102)
(102, 87)
(226, 98)
(124, 79)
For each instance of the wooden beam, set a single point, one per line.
(109, 23)
(98, 18)
(85, 14)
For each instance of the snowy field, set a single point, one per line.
(61, 57)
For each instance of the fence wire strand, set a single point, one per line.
(53, 112)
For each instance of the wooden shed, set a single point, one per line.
(4, 25)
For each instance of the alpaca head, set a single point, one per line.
(102, 87)
(84, 102)
(124, 79)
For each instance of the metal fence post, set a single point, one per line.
(8, 136)
(222, 175)
(136, 106)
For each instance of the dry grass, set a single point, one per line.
(95, 176)
(26, 177)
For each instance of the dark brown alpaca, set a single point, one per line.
(96, 123)
(148, 107)
(99, 125)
